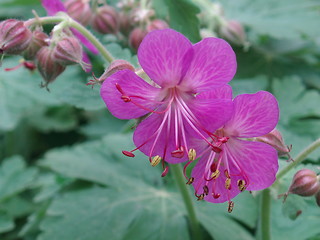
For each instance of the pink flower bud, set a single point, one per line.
(157, 24)
(39, 40)
(68, 51)
(136, 37)
(14, 37)
(233, 32)
(47, 65)
(274, 138)
(105, 20)
(305, 183)
(318, 198)
(79, 10)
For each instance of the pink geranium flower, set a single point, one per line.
(179, 101)
(241, 164)
(53, 7)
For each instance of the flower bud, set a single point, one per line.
(274, 138)
(105, 20)
(124, 23)
(39, 40)
(68, 51)
(47, 65)
(305, 183)
(136, 37)
(157, 24)
(318, 198)
(79, 10)
(14, 37)
(233, 32)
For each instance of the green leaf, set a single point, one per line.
(279, 19)
(182, 16)
(140, 213)
(6, 223)
(250, 85)
(15, 177)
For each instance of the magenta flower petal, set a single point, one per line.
(255, 115)
(136, 89)
(224, 92)
(258, 160)
(162, 55)
(213, 64)
(211, 113)
(53, 6)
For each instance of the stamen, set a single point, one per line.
(228, 184)
(213, 167)
(226, 173)
(215, 195)
(192, 154)
(205, 189)
(216, 149)
(179, 153)
(190, 181)
(128, 154)
(215, 174)
(165, 171)
(155, 161)
(241, 185)
(230, 206)
(200, 197)
(126, 98)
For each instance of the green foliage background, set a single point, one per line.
(62, 174)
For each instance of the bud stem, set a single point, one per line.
(265, 215)
(301, 156)
(184, 190)
(71, 23)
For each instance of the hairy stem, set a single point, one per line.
(71, 23)
(301, 156)
(184, 190)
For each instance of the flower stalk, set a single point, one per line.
(265, 213)
(180, 180)
(71, 23)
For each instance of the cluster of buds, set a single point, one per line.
(49, 55)
(305, 183)
(217, 24)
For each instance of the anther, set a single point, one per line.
(230, 206)
(192, 154)
(126, 98)
(205, 190)
(128, 154)
(241, 185)
(213, 167)
(155, 161)
(190, 181)
(200, 197)
(224, 139)
(215, 174)
(226, 173)
(178, 153)
(215, 195)
(119, 88)
(165, 171)
(216, 149)
(228, 183)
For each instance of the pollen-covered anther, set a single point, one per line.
(215, 174)
(128, 154)
(192, 154)
(200, 197)
(241, 185)
(216, 149)
(226, 173)
(179, 153)
(190, 181)
(126, 98)
(205, 190)
(155, 161)
(230, 206)
(228, 183)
